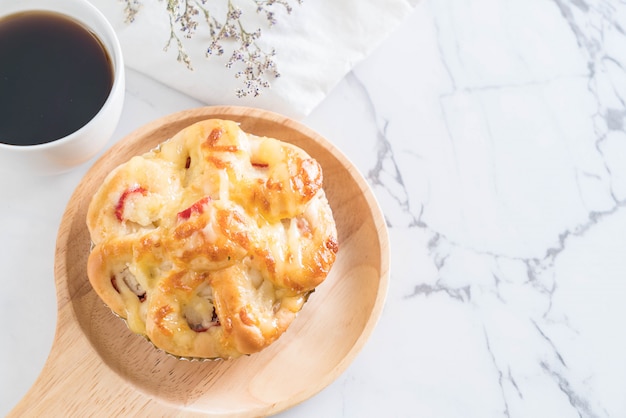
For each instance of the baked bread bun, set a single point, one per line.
(210, 244)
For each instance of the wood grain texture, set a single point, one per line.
(97, 366)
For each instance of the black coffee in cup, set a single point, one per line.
(55, 75)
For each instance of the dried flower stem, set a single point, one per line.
(258, 64)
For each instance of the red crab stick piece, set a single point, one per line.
(195, 208)
(119, 208)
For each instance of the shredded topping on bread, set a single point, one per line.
(210, 244)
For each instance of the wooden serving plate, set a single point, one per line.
(98, 366)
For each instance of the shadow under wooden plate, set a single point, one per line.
(97, 365)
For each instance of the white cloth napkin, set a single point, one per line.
(316, 45)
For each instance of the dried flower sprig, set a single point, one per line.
(258, 65)
(131, 8)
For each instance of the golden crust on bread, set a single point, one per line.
(210, 244)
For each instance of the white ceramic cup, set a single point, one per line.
(76, 148)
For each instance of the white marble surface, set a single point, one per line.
(493, 134)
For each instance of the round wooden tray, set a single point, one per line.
(96, 364)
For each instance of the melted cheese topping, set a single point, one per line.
(210, 244)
